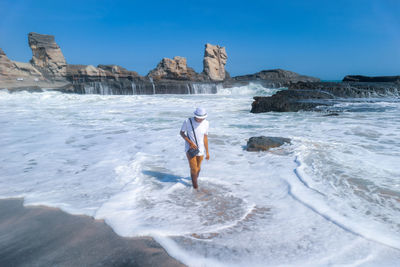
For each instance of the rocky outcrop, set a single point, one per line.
(290, 101)
(310, 95)
(105, 79)
(264, 143)
(118, 71)
(113, 79)
(48, 69)
(360, 78)
(90, 72)
(14, 71)
(6, 66)
(74, 71)
(274, 78)
(26, 69)
(214, 62)
(47, 56)
(173, 69)
(350, 89)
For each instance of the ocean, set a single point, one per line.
(331, 197)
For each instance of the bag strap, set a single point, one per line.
(194, 133)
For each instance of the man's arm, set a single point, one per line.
(206, 146)
(184, 136)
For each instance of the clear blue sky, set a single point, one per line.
(327, 39)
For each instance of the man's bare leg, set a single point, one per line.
(194, 176)
(194, 164)
(194, 173)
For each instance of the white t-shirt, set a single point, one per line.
(201, 129)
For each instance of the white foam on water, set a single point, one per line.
(120, 158)
(251, 89)
(317, 201)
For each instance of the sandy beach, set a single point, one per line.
(43, 236)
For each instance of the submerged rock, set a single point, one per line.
(290, 101)
(361, 78)
(331, 114)
(264, 143)
(214, 62)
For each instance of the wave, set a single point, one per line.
(317, 201)
(250, 89)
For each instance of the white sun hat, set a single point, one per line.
(200, 113)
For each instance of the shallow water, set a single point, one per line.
(332, 197)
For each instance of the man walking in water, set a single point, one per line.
(200, 126)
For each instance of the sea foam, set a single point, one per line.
(329, 198)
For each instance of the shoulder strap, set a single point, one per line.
(194, 133)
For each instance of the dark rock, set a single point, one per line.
(30, 89)
(309, 95)
(331, 114)
(278, 77)
(290, 101)
(264, 143)
(361, 78)
(350, 89)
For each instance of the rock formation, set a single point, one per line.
(48, 69)
(274, 78)
(84, 71)
(290, 101)
(100, 72)
(361, 78)
(277, 75)
(106, 79)
(264, 143)
(5, 64)
(118, 71)
(17, 71)
(174, 69)
(47, 56)
(214, 61)
(310, 95)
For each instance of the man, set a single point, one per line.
(200, 125)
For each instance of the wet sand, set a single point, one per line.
(43, 236)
